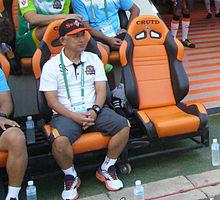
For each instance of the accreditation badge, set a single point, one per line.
(108, 30)
(23, 3)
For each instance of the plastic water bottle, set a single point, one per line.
(138, 191)
(31, 191)
(215, 153)
(30, 130)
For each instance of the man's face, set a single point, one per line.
(75, 42)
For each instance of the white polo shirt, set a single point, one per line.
(52, 78)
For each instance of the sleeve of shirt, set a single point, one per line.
(126, 4)
(99, 70)
(66, 8)
(80, 8)
(26, 6)
(3, 82)
(48, 80)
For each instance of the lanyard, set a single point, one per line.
(93, 10)
(65, 79)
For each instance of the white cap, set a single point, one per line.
(30, 183)
(29, 117)
(137, 182)
(215, 140)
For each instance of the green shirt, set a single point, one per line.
(45, 7)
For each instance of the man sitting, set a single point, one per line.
(34, 17)
(12, 140)
(74, 84)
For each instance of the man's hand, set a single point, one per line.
(174, 2)
(73, 16)
(4, 121)
(115, 43)
(84, 119)
(93, 116)
(120, 31)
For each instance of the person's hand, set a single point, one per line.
(4, 121)
(93, 116)
(120, 31)
(73, 16)
(115, 43)
(83, 119)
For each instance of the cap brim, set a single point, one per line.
(78, 30)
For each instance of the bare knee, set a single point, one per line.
(15, 138)
(60, 144)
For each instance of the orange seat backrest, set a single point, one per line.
(149, 60)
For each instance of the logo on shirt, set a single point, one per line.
(90, 70)
(23, 3)
(57, 4)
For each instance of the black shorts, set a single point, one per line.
(108, 123)
(2, 131)
(184, 4)
(120, 36)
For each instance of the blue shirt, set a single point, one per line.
(84, 8)
(3, 82)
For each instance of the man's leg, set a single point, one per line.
(62, 137)
(208, 8)
(185, 29)
(217, 8)
(17, 158)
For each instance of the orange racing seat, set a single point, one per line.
(153, 72)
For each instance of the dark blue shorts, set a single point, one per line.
(108, 123)
(184, 4)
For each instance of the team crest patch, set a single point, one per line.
(90, 70)
(23, 3)
(57, 4)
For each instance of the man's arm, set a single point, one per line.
(53, 103)
(6, 105)
(35, 19)
(134, 12)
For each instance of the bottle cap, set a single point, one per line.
(215, 140)
(137, 182)
(30, 183)
(29, 117)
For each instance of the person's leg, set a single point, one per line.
(217, 8)
(185, 29)
(110, 123)
(64, 133)
(13, 141)
(208, 8)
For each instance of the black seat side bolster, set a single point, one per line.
(179, 79)
(129, 78)
(147, 127)
(193, 110)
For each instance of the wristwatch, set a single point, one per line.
(96, 108)
(3, 115)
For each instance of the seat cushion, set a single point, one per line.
(171, 120)
(3, 158)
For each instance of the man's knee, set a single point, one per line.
(60, 144)
(15, 137)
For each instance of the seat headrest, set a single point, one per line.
(147, 30)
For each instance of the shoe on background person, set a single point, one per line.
(209, 16)
(217, 15)
(189, 44)
(70, 187)
(110, 178)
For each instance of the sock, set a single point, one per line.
(174, 27)
(107, 163)
(207, 5)
(13, 192)
(70, 171)
(217, 6)
(185, 28)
